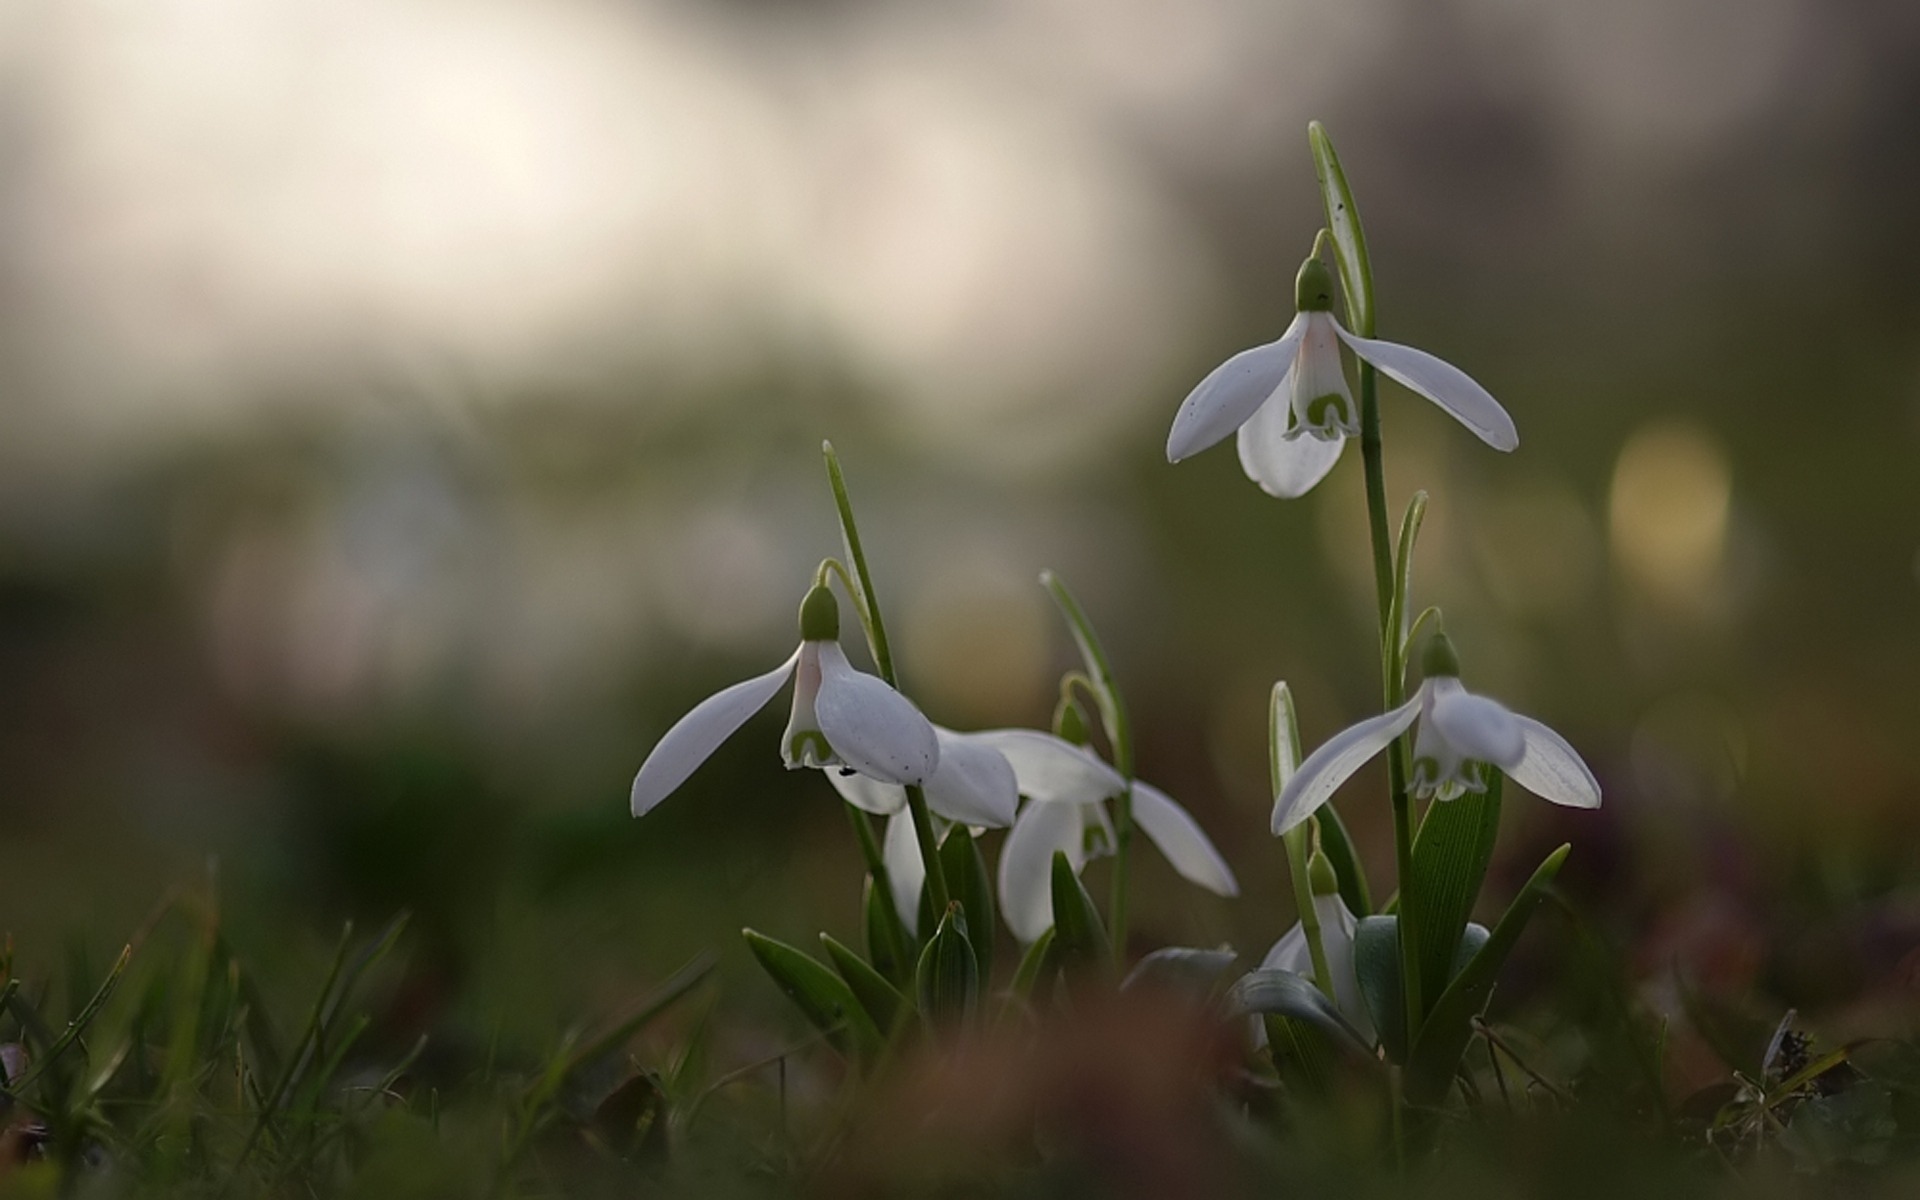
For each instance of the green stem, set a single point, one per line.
(882, 878)
(1113, 715)
(883, 661)
(1296, 843)
(1393, 685)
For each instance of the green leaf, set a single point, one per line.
(1282, 993)
(1376, 966)
(1343, 221)
(1034, 964)
(1079, 933)
(1181, 968)
(820, 995)
(1449, 1025)
(889, 945)
(949, 975)
(1303, 1052)
(881, 999)
(1113, 710)
(966, 873)
(1450, 858)
(1338, 847)
(1403, 585)
(865, 601)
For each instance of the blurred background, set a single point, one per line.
(410, 408)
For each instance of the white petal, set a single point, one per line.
(906, 872)
(1444, 384)
(1180, 838)
(1318, 393)
(1473, 725)
(1026, 865)
(1552, 770)
(1291, 953)
(1334, 763)
(881, 799)
(874, 729)
(974, 784)
(1227, 397)
(1283, 466)
(1049, 768)
(1336, 940)
(698, 734)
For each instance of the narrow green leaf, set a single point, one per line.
(1403, 583)
(865, 600)
(1376, 966)
(966, 874)
(1181, 968)
(1449, 1025)
(949, 976)
(1304, 1053)
(1078, 931)
(1343, 221)
(1338, 847)
(820, 995)
(1113, 710)
(881, 999)
(888, 942)
(1282, 993)
(1450, 858)
(1034, 965)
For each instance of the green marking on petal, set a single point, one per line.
(1328, 411)
(809, 739)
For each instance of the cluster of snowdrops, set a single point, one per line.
(1395, 990)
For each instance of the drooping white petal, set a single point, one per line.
(1336, 761)
(974, 784)
(1050, 768)
(1552, 770)
(698, 734)
(1291, 953)
(1322, 404)
(1181, 839)
(1337, 926)
(1026, 864)
(881, 799)
(1286, 467)
(1228, 396)
(1476, 727)
(906, 872)
(872, 728)
(1444, 384)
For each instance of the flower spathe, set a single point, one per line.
(1461, 736)
(1290, 403)
(1067, 787)
(841, 717)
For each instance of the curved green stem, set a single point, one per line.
(1113, 715)
(883, 661)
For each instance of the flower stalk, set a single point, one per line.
(868, 608)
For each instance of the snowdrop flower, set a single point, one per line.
(1461, 737)
(1066, 788)
(1337, 925)
(841, 717)
(1290, 402)
(973, 785)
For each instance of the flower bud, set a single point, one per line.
(1313, 286)
(819, 615)
(1069, 723)
(1439, 658)
(1322, 880)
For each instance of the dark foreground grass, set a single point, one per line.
(171, 1072)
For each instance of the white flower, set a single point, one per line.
(1461, 736)
(841, 718)
(1291, 953)
(1290, 402)
(1067, 788)
(973, 785)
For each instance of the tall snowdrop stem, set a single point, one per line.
(1283, 757)
(1356, 277)
(882, 878)
(1113, 716)
(883, 661)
